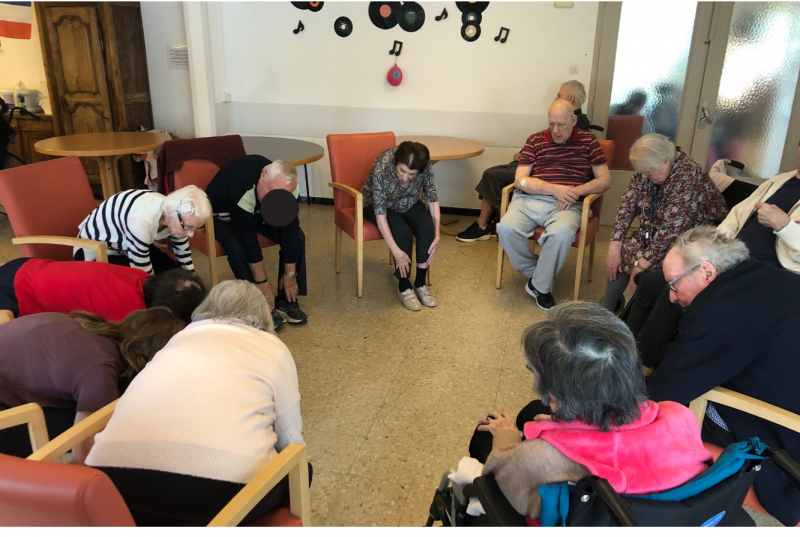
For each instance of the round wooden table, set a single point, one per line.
(446, 148)
(104, 147)
(295, 152)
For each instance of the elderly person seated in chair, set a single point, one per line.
(739, 331)
(670, 193)
(558, 166)
(74, 365)
(214, 407)
(236, 193)
(130, 222)
(399, 177)
(29, 286)
(593, 417)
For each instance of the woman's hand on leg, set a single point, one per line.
(497, 421)
(403, 263)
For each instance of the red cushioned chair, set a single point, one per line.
(200, 172)
(587, 234)
(39, 492)
(753, 406)
(46, 202)
(351, 157)
(623, 131)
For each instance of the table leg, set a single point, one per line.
(446, 219)
(308, 192)
(115, 173)
(106, 179)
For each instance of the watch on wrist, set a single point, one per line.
(637, 265)
(291, 274)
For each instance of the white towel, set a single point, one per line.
(468, 470)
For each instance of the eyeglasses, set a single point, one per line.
(671, 284)
(180, 218)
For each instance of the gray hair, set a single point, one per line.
(238, 301)
(585, 357)
(578, 92)
(278, 167)
(650, 150)
(183, 199)
(706, 243)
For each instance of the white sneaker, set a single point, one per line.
(425, 296)
(409, 299)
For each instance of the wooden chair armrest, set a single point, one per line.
(504, 199)
(745, 403)
(292, 461)
(347, 189)
(100, 250)
(5, 316)
(587, 201)
(31, 414)
(75, 435)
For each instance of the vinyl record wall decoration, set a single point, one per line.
(471, 19)
(411, 16)
(343, 26)
(386, 15)
(310, 6)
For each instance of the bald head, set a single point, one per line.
(561, 119)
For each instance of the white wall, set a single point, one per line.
(21, 59)
(170, 90)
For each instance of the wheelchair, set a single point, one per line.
(713, 498)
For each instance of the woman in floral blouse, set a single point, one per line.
(392, 202)
(670, 193)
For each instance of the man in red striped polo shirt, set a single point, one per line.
(558, 166)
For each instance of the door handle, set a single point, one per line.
(705, 117)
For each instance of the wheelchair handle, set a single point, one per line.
(789, 466)
(616, 508)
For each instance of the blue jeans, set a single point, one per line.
(525, 213)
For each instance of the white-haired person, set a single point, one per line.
(670, 193)
(236, 193)
(496, 178)
(212, 409)
(131, 221)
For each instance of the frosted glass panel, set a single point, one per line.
(650, 68)
(759, 79)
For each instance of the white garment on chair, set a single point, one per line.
(149, 159)
(468, 470)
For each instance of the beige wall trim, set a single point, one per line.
(605, 56)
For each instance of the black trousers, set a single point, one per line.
(158, 498)
(160, 260)
(292, 242)
(8, 295)
(481, 443)
(652, 317)
(416, 222)
(494, 180)
(15, 441)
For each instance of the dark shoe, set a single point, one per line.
(474, 233)
(545, 301)
(277, 319)
(290, 311)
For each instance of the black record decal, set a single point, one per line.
(471, 17)
(383, 14)
(470, 32)
(411, 16)
(476, 7)
(343, 27)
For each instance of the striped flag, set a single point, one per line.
(15, 19)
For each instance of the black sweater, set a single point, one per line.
(743, 333)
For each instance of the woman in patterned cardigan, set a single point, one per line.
(670, 193)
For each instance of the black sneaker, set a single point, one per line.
(290, 311)
(474, 233)
(277, 319)
(545, 301)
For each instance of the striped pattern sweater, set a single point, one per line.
(569, 163)
(128, 223)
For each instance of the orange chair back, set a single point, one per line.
(352, 157)
(624, 130)
(35, 493)
(47, 198)
(197, 172)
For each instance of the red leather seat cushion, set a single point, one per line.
(34, 493)
(279, 517)
(346, 219)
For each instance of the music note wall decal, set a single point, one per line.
(442, 16)
(299, 29)
(395, 49)
(504, 39)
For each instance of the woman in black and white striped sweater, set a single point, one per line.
(131, 221)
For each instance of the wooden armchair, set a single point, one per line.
(30, 414)
(750, 405)
(292, 461)
(6, 316)
(587, 234)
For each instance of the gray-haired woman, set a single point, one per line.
(130, 222)
(593, 417)
(669, 193)
(211, 409)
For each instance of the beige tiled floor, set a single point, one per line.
(390, 397)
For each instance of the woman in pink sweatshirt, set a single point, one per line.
(594, 416)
